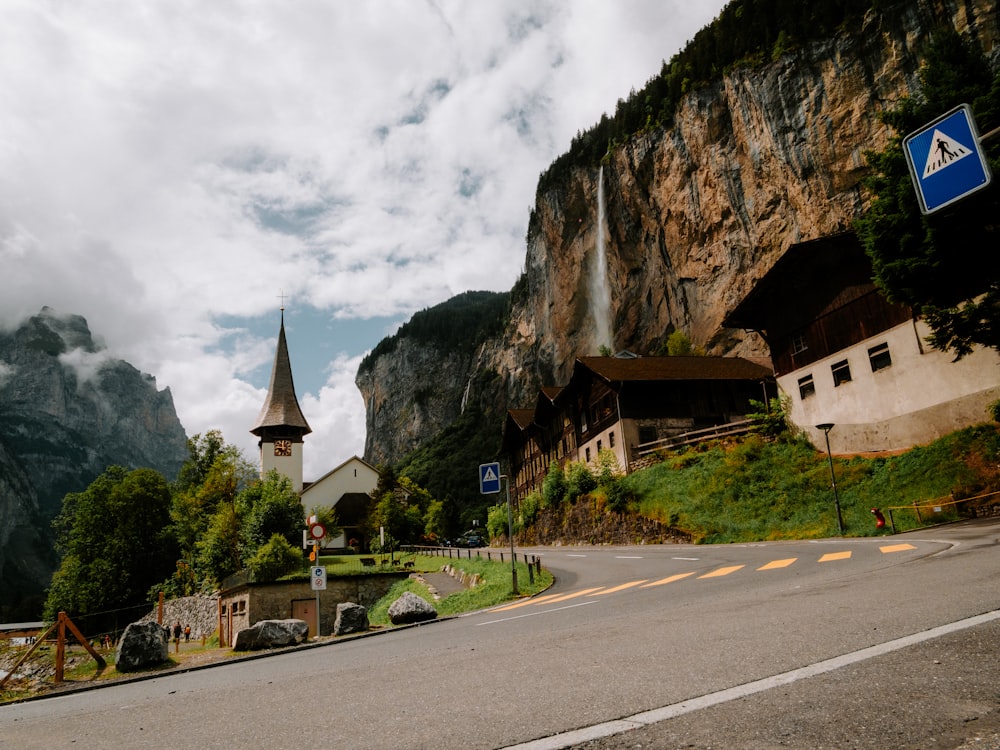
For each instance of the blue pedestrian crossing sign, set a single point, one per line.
(945, 160)
(489, 478)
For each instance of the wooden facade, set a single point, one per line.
(816, 300)
(616, 404)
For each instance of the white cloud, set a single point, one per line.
(164, 166)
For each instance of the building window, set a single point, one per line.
(799, 344)
(587, 452)
(841, 372)
(879, 357)
(611, 440)
(807, 387)
(598, 446)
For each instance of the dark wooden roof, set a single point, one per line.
(807, 275)
(281, 408)
(551, 392)
(652, 369)
(522, 417)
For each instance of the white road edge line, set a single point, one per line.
(533, 614)
(656, 715)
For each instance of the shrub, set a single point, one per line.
(579, 480)
(274, 559)
(554, 486)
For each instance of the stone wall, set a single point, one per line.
(244, 605)
(200, 612)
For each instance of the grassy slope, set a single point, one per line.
(757, 490)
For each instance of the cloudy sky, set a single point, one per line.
(170, 169)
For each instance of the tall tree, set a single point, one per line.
(211, 479)
(116, 542)
(943, 265)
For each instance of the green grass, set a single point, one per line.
(759, 490)
(494, 588)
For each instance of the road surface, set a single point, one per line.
(832, 643)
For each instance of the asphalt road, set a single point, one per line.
(837, 643)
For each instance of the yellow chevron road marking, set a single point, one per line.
(775, 564)
(835, 556)
(670, 579)
(574, 595)
(722, 571)
(896, 548)
(718, 573)
(525, 602)
(622, 587)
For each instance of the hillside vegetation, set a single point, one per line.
(757, 489)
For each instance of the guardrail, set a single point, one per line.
(933, 507)
(480, 553)
(696, 436)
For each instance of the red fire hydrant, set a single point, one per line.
(879, 518)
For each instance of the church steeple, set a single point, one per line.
(281, 424)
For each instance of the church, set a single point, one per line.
(281, 428)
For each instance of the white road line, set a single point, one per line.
(628, 557)
(685, 558)
(532, 614)
(656, 715)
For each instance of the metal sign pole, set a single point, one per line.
(319, 631)
(510, 533)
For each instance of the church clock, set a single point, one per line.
(282, 447)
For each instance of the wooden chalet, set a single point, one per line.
(620, 404)
(844, 355)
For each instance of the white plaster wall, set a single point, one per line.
(605, 438)
(290, 466)
(921, 396)
(353, 475)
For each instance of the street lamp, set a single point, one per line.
(826, 427)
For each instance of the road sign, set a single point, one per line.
(317, 531)
(489, 478)
(318, 576)
(945, 160)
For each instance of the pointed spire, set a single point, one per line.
(281, 412)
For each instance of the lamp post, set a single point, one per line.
(826, 427)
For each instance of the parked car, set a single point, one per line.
(473, 540)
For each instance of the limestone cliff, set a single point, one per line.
(766, 156)
(67, 411)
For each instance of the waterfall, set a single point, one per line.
(599, 284)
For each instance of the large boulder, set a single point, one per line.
(410, 608)
(271, 634)
(142, 645)
(351, 618)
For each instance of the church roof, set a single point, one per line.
(281, 408)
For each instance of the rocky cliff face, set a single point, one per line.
(411, 394)
(67, 411)
(765, 157)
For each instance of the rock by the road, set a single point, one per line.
(271, 634)
(142, 645)
(410, 608)
(351, 618)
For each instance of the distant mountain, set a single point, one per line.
(68, 410)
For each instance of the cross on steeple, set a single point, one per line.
(282, 297)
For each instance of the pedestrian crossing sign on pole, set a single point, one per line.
(489, 478)
(945, 160)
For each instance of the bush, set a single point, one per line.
(554, 486)
(579, 480)
(274, 559)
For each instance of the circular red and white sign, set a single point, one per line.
(316, 531)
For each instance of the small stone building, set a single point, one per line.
(244, 604)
